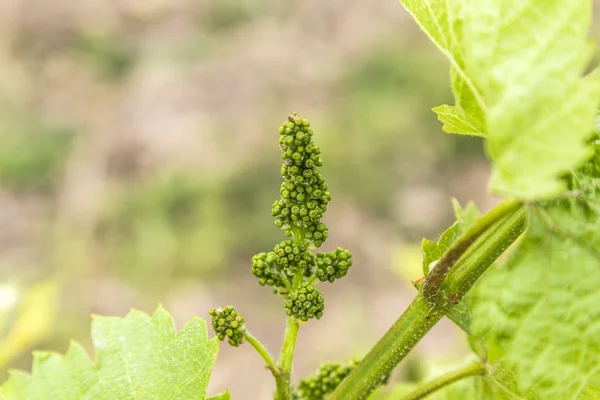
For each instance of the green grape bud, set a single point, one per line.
(264, 266)
(227, 323)
(325, 380)
(289, 255)
(305, 303)
(333, 265)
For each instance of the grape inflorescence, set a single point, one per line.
(291, 268)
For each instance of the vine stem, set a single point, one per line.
(422, 314)
(286, 357)
(263, 352)
(311, 279)
(475, 369)
(435, 278)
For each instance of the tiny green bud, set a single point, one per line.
(305, 303)
(333, 265)
(227, 323)
(326, 380)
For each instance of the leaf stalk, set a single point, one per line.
(424, 390)
(263, 352)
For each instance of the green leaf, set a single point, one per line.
(443, 26)
(517, 75)
(538, 314)
(456, 121)
(433, 251)
(138, 357)
(221, 396)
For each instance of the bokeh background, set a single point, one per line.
(139, 162)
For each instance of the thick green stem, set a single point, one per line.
(262, 351)
(286, 359)
(283, 389)
(406, 332)
(311, 279)
(286, 282)
(422, 315)
(431, 287)
(485, 251)
(289, 345)
(442, 381)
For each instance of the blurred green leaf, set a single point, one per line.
(535, 113)
(34, 319)
(456, 121)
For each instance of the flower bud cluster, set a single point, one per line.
(305, 303)
(326, 380)
(333, 265)
(291, 268)
(266, 270)
(287, 259)
(293, 258)
(228, 323)
(304, 195)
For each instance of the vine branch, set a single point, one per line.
(286, 357)
(475, 369)
(422, 314)
(435, 278)
(263, 352)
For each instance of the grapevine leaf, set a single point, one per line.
(456, 121)
(538, 314)
(516, 70)
(138, 357)
(460, 314)
(443, 26)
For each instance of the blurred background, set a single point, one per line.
(139, 162)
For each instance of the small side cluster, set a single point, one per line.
(266, 270)
(304, 195)
(286, 259)
(333, 265)
(326, 380)
(305, 303)
(227, 323)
